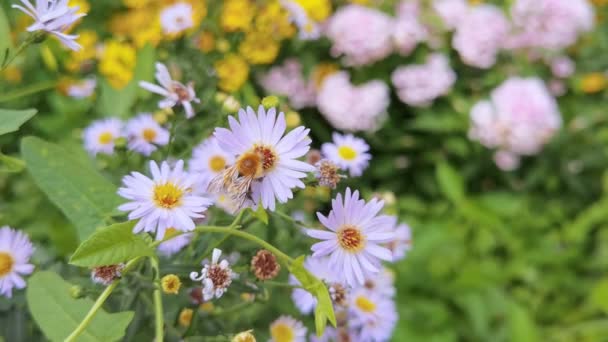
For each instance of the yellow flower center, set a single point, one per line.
(282, 332)
(351, 239)
(170, 232)
(347, 152)
(254, 163)
(105, 138)
(171, 284)
(6, 264)
(149, 134)
(217, 163)
(365, 304)
(167, 195)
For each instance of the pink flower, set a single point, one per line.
(562, 67)
(352, 108)
(479, 35)
(450, 11)
(506, 161)
(288, 80)
(408, 31)
(363, 35)
(418, 85)
(550, 24)
(520, 117)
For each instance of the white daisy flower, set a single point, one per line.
(287, 329)
(54, 17)
(165, 201)
(82, 89)
(209, 159)
(304, 301)
(176, 18)
(349, 152)
(215, 276)
(174, 242)
(266, 168)
(101, 135)
(145, 134)
(174, 92)
(373, 315)
(354, 242)
(15, 252)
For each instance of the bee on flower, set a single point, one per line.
(216, 276)
(266, 168)
(163, 202)
(145, 134)
(101, 136)
(15, 252)
(174, 92)
(54, 17)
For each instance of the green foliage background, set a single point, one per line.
(517, 256)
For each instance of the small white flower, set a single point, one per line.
(173, 243)
(145, 134)
(216, 277)
(53, 17)
(402, 241)
(209, 159)
(101, 135)
(82, 89)
(287, 328)
(15, 252)
(176, 18)
(373, 315)
(354, 239)
(348, 152)
(165, 201)
(173, 91)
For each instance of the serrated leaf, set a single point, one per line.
(71, 183)
(57, 313)
(324, 311)
(111, 245)
(11, 119)
(260, 214)
(450, 182)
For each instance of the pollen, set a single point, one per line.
(269, 157)
(351, 239)
(347, 152)
(250, 165)
(149, 134)
(365, 305)
(167, 195)
(6, 264)
(282, 333)
(105, 138)
(217, 163)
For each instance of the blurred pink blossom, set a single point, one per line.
(519, 118)
(450, 11)
(288, 80)
(480, 34)
(419, 84)
(408, 31)
(352, 108)
(562, 67)
(363, 35)
(506, 160)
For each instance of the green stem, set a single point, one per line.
(158, 302)
(291, 219)
(35, 37)
(279, 284)
(33, 89)
(99, 303)
(172, 132)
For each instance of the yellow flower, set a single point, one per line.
(185, 317)
(205, 41)
(142, 26)
(245, 336)
(12, 74)
(274, 21)
(83, 5)
(318, 10)
(117, 63)
(232, 72)
(137, 3)
(237, 15)
(321, 71)
(88, 40)
(593, 82)
(171, 284)
(258, 48)
(207, 307)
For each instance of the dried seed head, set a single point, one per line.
(105, 275)
(264, 265)
(327, 173)
(338, 294)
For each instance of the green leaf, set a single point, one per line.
(324, 311)
(10, 164)
(5, 36)
(522, 326)
(57, 313)
(11, 120)
(111, 245)
(260, 214)
(118, 102)
(450, 182)
(71, 183)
